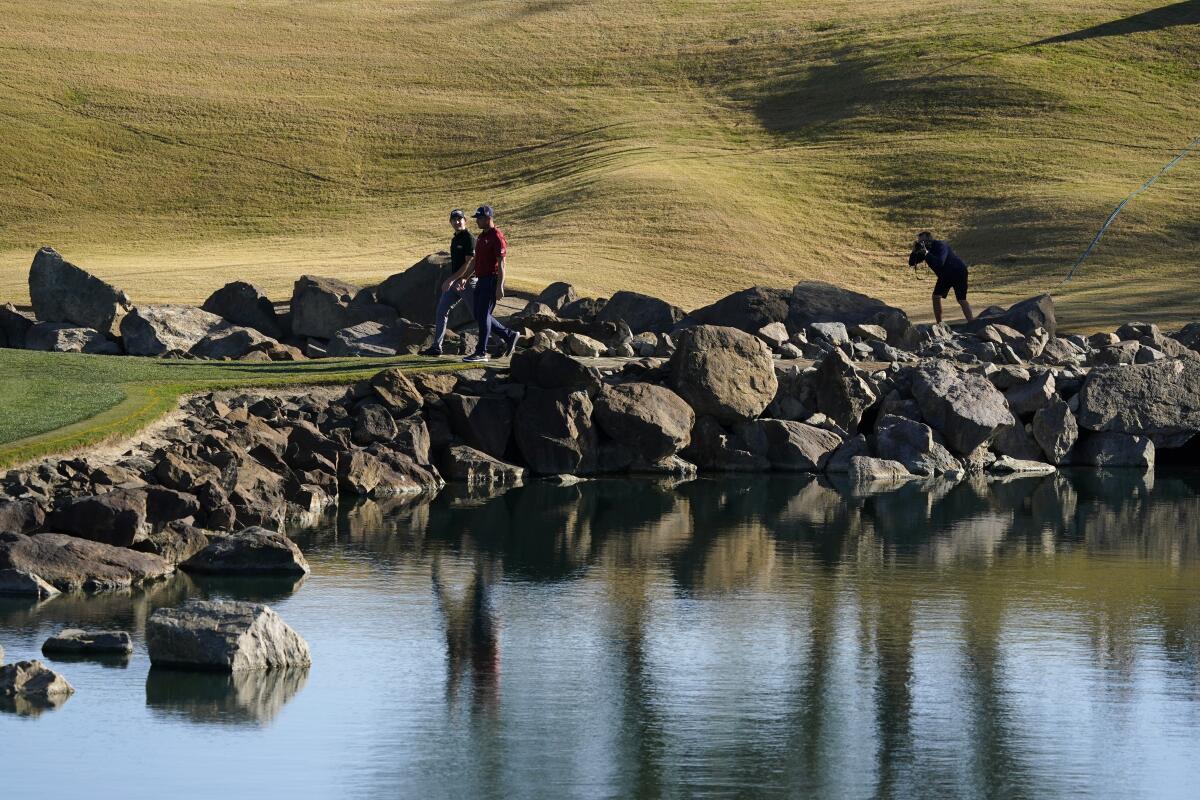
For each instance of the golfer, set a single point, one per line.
(459, 286)
(491, 249)
(951, 272)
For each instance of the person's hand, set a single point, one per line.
(499, 292)
(446, 284)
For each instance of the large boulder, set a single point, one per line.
(468, 465)
(652, 421)
(245, 304)
(414, 293)
(556, 295)
(319, 306)
(484, 423)
(794, 446)
(965, 408)
(64, 337)
(817, 301)
(252, 551)
(748, 310)
(1026, 316)
(14, 324)
(554, 431)
(69, 563)
(372, 423)
(1114, 450)
(723, 373)
(153, 330)
(1027, 398)
(117, 517)
(234, 341)
(1055, 429)
(842, 394)
(20, 516)
(377, 339)
(1159, 400)
(62, 292)
(714, 447)
(224, 636)
(79, 642)
(640, 312)
(913, 444)
(550, 369)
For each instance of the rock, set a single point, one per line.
(20, 516)
(365, 307)
(817, 301)
(376, 339)
(550, 369)
(1028, 398)
(554, 431)
(964, 408)
(319, 306)
(557, 295)
(1147, 355)
(749, 310)
(225, 636)
(834, 333)
(864, 470)
(69, 563)
(18, 583)
(917, 337)
(640, 312)
(62, 292)
(913, 445)
(231, 342)
(33, 681)
(78, 642)
(173, 472)
(63, 337)
(840, 460)
(796, 446)
(14, 325)
(1007, 465)
(244, 304)
(535, 309)
(714, 448)
(154, 330)
(1060, 352)
(1114, 450)
(724, 373)
(484, 423)
(1188, 335)
(1025, 316)
(1135, 331)
(577, 344)
(1055, 430)
(841, 393)
(414, 292)
(585, 309)
(397, 391)
(175, 543)
(652, 421)
(252, 551)
(165, 505)
(1159, 400)
(471, 466)
(372, 424)
(1113, 355)
(1015, 441)
(117, 517)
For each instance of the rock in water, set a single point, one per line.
(484, 423)
(912, 444)
(1055, 430)
(867, 470)
(469, 465)
(1159, 400)
(319, 306)
(62, 292)
(650, 420)
(723, 373)
(554, 431)
(1114, 450)
(1007, 465)
(117, 517)
(31, 686)
(153, 330)
(796, 446)
(78, 642)
(69, 563)
(245, 304)
(967, 409)
(253, 551)
(18, 583)
(225, 636)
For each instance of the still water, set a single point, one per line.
(754, 637)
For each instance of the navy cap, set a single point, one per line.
(457, 214)
(484, 211)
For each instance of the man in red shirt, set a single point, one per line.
(491, 248)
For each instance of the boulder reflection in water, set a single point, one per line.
(250, 697)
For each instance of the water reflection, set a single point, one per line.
(23, 706)
(248, 697)
(472, 636)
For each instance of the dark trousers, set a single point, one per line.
(485, 303)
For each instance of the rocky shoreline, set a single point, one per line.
(813, 379)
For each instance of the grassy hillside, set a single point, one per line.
(684, 148)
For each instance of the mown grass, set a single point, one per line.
(56, 402)
(685, 148)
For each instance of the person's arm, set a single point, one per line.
(500, 280)
(916, 256)
(937, 255)
(463, 271)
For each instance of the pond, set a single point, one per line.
(732, 637)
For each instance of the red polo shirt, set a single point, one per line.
(490, 247)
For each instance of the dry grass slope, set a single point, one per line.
(683, 147)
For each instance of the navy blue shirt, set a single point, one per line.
(940, 258)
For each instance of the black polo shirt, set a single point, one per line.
(462, 247)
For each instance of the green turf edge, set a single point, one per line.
(146, 403)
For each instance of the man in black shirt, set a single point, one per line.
(462, 248)
(951, 272)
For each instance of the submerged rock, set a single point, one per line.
(225, 636)
(78, 642)
(31, 686)
(18, 583)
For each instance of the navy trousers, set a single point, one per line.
(485, 304)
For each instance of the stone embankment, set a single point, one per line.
(813, 379)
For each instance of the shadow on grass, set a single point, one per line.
(1185, 13)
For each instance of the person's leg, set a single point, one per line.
(937, 309)
(960, 294)
(485, 298)
(446, 301)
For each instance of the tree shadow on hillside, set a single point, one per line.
(1185, 13)
(848, 90)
